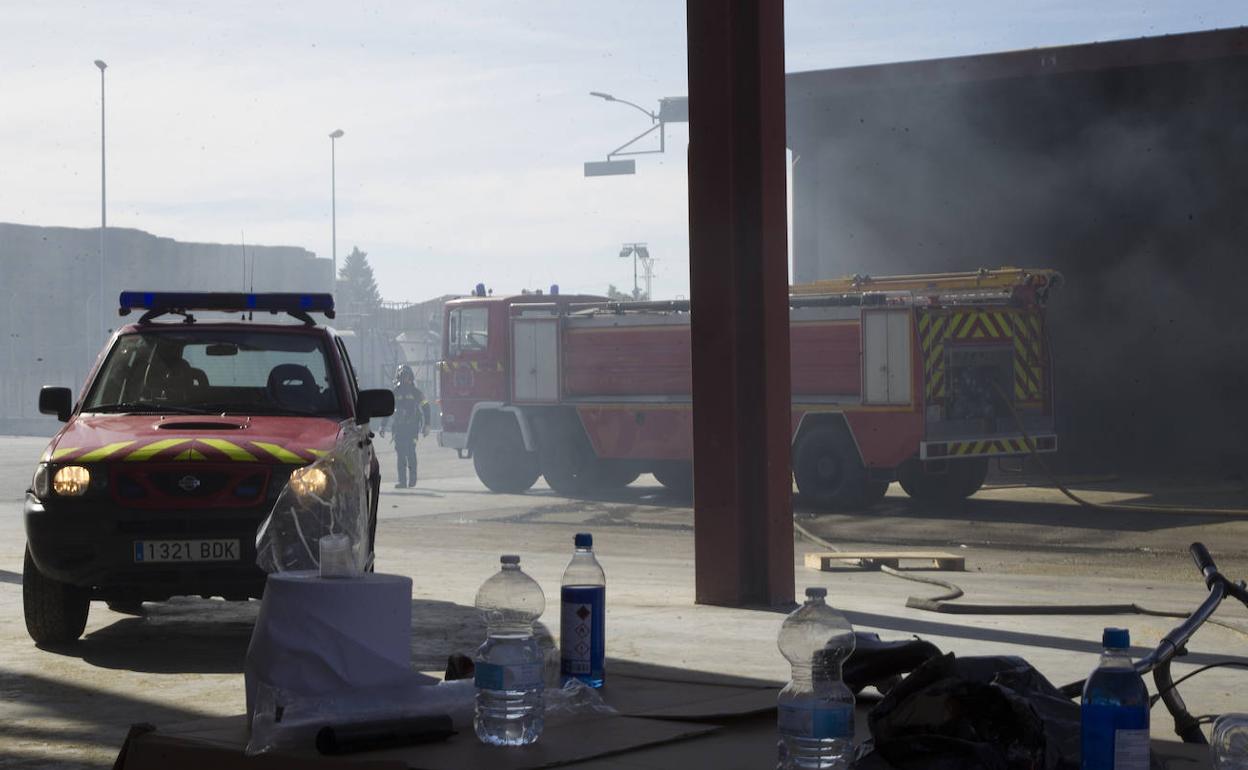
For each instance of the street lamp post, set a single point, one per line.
(637, 251)
(672, 109)
(333, 201)
(103, 193)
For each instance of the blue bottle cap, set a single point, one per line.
(584, 540)
(1116, 639)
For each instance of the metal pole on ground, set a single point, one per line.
(103, 196)
(333, 202)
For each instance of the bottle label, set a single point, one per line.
(1114, 737)
(1131, 750)
(582, 626)
(522, 676)
(811, 721)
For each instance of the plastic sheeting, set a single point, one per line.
(327, 497)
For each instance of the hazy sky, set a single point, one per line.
(467, 122)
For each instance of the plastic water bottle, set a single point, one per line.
(1114, 713)
(815, 709)
(509, 666)
(1229, 744)
(582, 626)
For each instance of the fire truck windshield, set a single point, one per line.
(207, 371)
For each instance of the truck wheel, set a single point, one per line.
(500, 460)
(875, 492)
(828, 470)
(614, 474)
(676, 476)
(961, 479)
(56, 612)
(566, 457)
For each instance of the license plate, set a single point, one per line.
(185, 550)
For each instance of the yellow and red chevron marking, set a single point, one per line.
(938, 327)
(186, 450)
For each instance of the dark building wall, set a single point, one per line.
(49, 280)
(1130, 178)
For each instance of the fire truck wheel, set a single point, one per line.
(875, 491)
(566, 459)
(614, 474)
(828, 470)
(961, 479)
(676, 476)
(56, 613)
(501, 462)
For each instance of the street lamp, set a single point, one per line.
(103, 193)
(333, 200)
(674, 109)
(639, 251)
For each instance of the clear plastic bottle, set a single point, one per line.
(815, 709)
(509, 666)
(1114, 712)
(582, 626)
(1229, 744)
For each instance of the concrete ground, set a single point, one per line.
(71, 707)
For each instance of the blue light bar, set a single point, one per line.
(183, 301)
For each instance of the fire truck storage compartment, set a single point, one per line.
(886, 356)
(978, 376)
(535, 364)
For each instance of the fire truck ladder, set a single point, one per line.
(1003, 281)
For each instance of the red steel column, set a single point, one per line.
(738, 275)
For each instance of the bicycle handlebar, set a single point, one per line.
(1204, 562)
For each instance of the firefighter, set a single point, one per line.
(410, 421)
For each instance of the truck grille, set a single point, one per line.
(190, 484)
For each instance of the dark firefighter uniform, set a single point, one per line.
(411, 419)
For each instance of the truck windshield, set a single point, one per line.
(208, 371)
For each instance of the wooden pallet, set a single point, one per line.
(827, 561)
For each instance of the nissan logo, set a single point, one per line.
(188, 483)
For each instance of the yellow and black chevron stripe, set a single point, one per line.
(938, 327)
(187, 450)
(1000, 446)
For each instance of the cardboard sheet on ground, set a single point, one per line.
(218, 744)
(707, 700)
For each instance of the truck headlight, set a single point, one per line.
(41, 484)
(309, 480)
(71, 481)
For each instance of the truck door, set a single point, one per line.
(472, 369)
(886, 357)
(535, 362)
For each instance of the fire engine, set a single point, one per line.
(919, 379)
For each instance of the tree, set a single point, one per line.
(357, 288)
(615, 295)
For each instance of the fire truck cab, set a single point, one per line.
(176, 449)
(918, 379)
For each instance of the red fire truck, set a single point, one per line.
(919, 379)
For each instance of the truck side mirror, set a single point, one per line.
(378, 402)
(57, 401)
